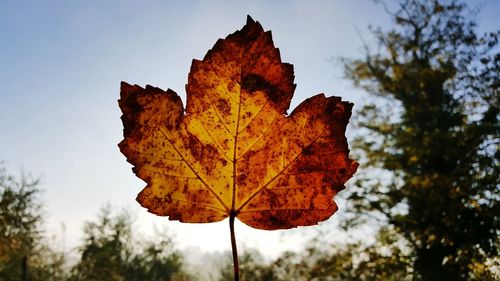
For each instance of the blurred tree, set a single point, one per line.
(113, 251)
(429, 143)
(386, 259)
(252, 267)
(24, 254)
(383, 260)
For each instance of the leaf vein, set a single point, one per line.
(273, 178)
(217, 114)
(256, 141)
(219, 148)
(192, 169)
(253, 118)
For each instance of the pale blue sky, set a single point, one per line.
(61, 63)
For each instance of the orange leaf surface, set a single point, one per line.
(234, 150)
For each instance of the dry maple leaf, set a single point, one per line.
(234, 151)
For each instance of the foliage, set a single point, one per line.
(430, 155)
(252, 265)
(234, 152)
(382, 261)
(24, 253)
(111, 251)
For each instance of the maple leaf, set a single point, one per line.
(235, 151)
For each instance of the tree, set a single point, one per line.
(111, 250)
(24, 254)
(157, 260)
(322, 261)
(252, 265)
(429, 141)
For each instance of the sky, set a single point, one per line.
(61, 63)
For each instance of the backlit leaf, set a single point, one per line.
(234, 150)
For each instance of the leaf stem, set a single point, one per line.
(234, 249)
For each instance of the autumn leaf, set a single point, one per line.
(234, 150)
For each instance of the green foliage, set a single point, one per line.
(24, 254)
(111, 251)
(252, 267)
(382, 261)
(430, 154)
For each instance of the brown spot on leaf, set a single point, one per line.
(255, 82)
(223, 106)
